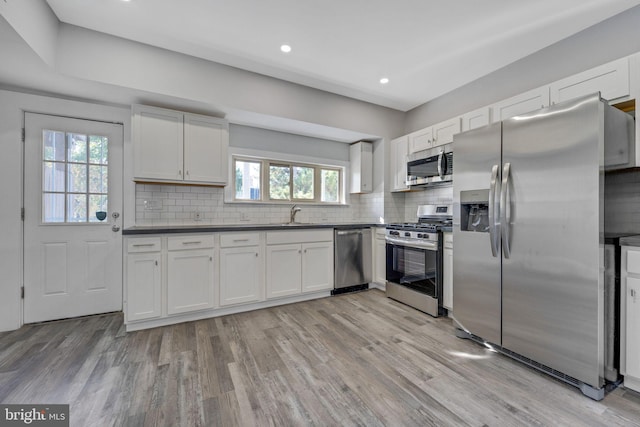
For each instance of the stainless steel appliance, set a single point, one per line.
(352, 260)
(414, 259)
(430, 167)
(528, 227)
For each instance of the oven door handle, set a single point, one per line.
(431, 246)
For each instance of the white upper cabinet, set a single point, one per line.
(158, 137)
(398, 150)
(443, 132)
(206, 143)
(520, 104)
(612, 80)
(420, 140)
(361, 167)
(172, 146)
(475, 119)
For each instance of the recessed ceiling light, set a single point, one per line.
(384, 80)
(285, 48)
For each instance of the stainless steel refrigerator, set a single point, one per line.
(528, 231)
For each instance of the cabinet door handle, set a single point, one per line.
(156, 263)
(633, 293)
(256, 254)
(299, 251)
(180, 172)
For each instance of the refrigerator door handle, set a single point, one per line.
(505, 200)
(494, 214)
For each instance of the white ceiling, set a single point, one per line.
(425, 48)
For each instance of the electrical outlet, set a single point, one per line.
(197, 216)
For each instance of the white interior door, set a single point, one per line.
(72, 200)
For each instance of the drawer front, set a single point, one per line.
(299, 236)
(185, 242)
(144, 244)
(233, 240)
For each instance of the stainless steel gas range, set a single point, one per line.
(414, 259)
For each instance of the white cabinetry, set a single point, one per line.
(447, 272)
(361, 167)
(398, 150)
(298, 262)
(520, 104)
(143, 278)
(475, 119)
(420, 140)
(171, 146)
(611, 80)
(189, 273)
(380, 257)
(630, 316)
(443, 132)
(241, 268)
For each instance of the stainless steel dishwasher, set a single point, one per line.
(352, 259)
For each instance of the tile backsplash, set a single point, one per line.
(432, 196)
(622, 202)
(158, 204)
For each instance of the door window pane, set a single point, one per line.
(75, 177)
(76, 148)
(53, 145)
(329, 185)
(53, 174)
(279, 182)
(98, 150)
(247, 180)
(76, 208)
(98, 178)
(53, 207)
(303, 182)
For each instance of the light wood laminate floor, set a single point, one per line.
(356, 359)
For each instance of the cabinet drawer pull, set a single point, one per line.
(141, 245)
(240, 240)
(195, 242)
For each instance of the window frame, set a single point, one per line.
(265, 190)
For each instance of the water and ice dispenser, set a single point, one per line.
(474, 211)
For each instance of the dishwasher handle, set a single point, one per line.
(347, 232)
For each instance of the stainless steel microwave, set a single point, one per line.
(430, 167)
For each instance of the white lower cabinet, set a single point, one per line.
(240, 275)
(284, 270)
(299, 262)
(144, 279)
(241, 268)
(447, 272)
(317, 266)
(379, 257)
(630, 316)
(190, 273)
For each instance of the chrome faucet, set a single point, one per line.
(294, 210)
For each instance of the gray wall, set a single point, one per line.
(614, 38)
(280, 142)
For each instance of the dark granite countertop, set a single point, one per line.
(215, 228)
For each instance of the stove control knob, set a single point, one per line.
(407, 234)
(420, 236)
(394, 233)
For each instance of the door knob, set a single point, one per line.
(116, 215)
(115, 228)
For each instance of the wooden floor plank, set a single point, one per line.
(357, 359)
